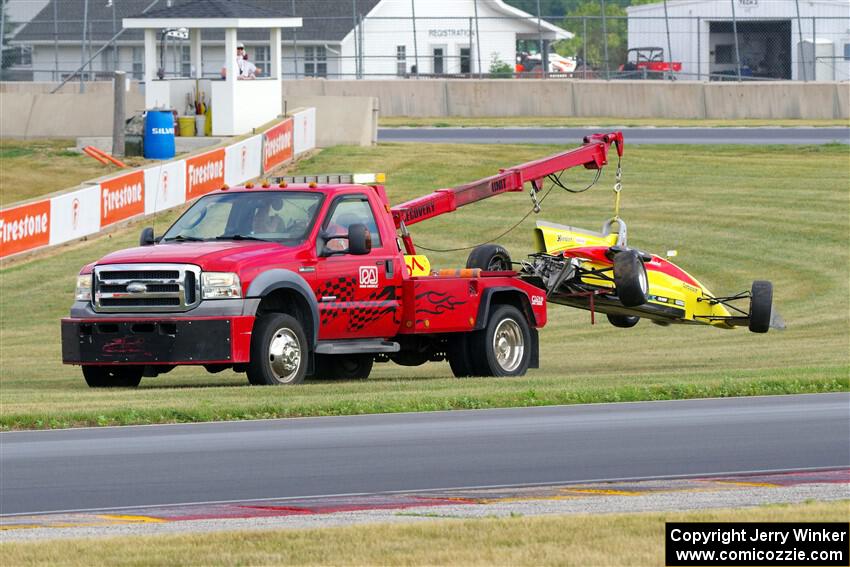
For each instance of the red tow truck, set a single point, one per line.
(311, 277)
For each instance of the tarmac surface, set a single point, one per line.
(633, 135)
(587, 498)
(122, 467)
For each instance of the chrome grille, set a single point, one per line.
(146, 287)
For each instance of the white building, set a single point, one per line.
(772, 42)
(339, 38)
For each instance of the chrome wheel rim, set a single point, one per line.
(644, 283)
(284, 354)
(497, 264)
(508, 345)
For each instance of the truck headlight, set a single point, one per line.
(220, 285)
(83, 290)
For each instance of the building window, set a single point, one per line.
(315, 61)
(439, 60)
(185, 62)
(138, 63)
(401, 60)
(724, 54)
(262, 59)
(847, 51)
(465, 60)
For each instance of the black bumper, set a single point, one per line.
(146, 341)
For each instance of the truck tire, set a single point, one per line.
(278, 351)
(459, 355)
(761, 305)
(503, 347)
(490, 258)
(112, 376)
(343, 366)
(623, 321)
(630, 278)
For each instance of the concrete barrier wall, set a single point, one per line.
(628, 99)
(61, 115)
(341, 121)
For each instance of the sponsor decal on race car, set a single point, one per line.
(537, 300)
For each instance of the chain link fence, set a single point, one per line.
(607, 48)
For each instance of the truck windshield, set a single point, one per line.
(259, 215)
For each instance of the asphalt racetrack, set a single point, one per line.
(760, 136)
(79, 469)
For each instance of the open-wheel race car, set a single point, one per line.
(599, 272)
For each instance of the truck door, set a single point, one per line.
(359, 296)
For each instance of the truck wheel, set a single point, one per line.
(623, 321)
(343, 366)
(630, 278)
(459, 355)
(503, 348)
(490, 258)
(761, 305)
(112, 377)
(278, 351)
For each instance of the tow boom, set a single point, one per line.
(592, 155)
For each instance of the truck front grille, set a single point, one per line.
(146, 288)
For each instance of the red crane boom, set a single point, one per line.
(592, 155)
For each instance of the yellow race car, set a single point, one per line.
(598, 271)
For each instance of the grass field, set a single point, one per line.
(33, 168)
(577, 122)
(601, 540)
(733, 213)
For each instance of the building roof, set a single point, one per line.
(212, 14)
(328, 21)
(322, 20)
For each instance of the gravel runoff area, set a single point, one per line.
(596, 498)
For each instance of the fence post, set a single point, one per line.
(56, 75)
(669, 48)
(119, 86)
(544, 59)
(295, 45)
(584, 48)
(814, 50)
(415, 45)
(83, 46)
(605, 42)
(469, 61)
(477, 37)
(2, 34)
(735, 33)
(699, 50)
(800, 43)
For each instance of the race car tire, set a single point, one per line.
(630, 278)
(490, 258)
(459, 356)
(623, 321)
(278, 351)
(503, 347)
(761, 305)
(343, 367)
(112, 376)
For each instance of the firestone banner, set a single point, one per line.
(204, 173)
(24, 227)
(277, 145)
(122, 198)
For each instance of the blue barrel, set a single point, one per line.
(159, 134)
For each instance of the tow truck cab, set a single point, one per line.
(303, 277)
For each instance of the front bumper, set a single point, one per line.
(157, 341)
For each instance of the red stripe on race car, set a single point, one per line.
(598, 254)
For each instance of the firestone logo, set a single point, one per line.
(210, 171)
(278, 145)
(75, 213)
(24, 227)
(123, 197)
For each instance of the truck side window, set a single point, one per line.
(353, 210)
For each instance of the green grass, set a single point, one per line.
(579, 540)
(573, 122)
(33, 168)
(734, 214)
